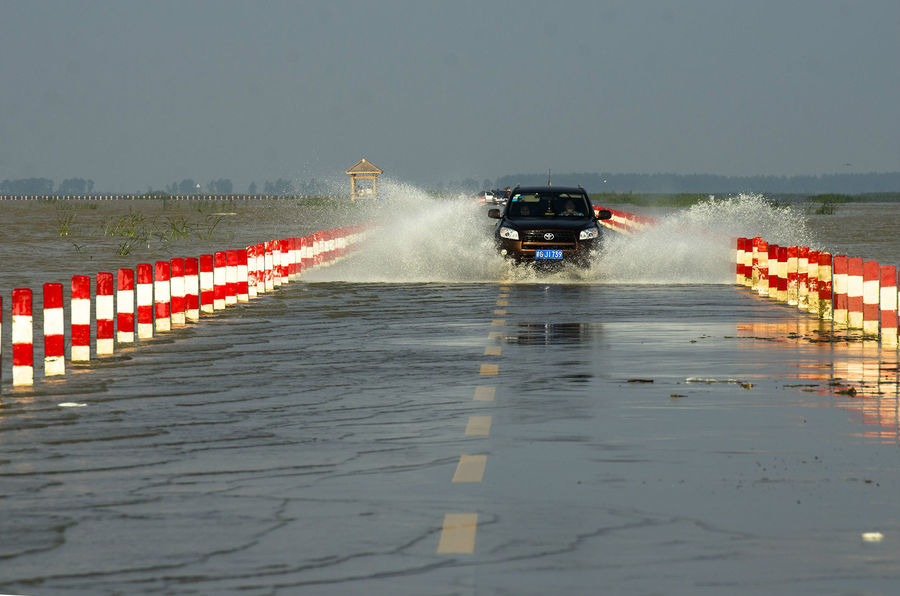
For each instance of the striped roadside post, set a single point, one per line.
(276, 264)
(762, 278)
(251, 271)
(298, 266)
(219, 264)
(176, 283)
(803, 278)
(125, 306)
(269, 263)
(22, 337)
(105, 314)
(162, 301)
(739, 262)
(81, 318)
(260, 268)
(748, 259)
(243, 276)
(144, 300)
(812, 283)
(207, 286)
(888, 274)
(342, 242)
(826, 308)
(191, 290)
(782, 292)
(54, 331)
(772, 274)
(305, 252)
(316, 249)
(841, 313)
(792, 273)
(231, 262)
(286, 256)
(871, 297)
(854, 293)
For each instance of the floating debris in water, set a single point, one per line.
(71, 404)
(872, 536)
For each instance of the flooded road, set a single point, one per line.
(308, 443)
(486, 436)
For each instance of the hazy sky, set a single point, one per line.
(141, 94)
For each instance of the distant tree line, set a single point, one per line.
(710, 183)
(220, 186)
(44, 186)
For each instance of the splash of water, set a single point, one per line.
(426, 239)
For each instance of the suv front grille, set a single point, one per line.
(532, 239)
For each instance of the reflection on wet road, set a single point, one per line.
(336, 438)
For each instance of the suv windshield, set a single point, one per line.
(548, 204)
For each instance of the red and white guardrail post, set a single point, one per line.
(105, 308)
(812, 283)
(243, 276)
(22, 337)
(781, 294)
(803, 278)
(162, 301)
(125, 306)
(54, 331)
(841, 312)
(191, 290)
(826, 308)
(81, 318)
(219, 275)
(207, 284)
(888, 275)
(854, 293)
(871, 297)
(144, 300)
(231, 263)
(792, 275)
(176, 286)
(251, 271)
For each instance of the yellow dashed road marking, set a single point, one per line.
(489, 369)
(502, 295)
(499, 312)
(484, 393)
(470, 468)
(503, 303)
(479, 425)
(504, 288)
(492, 351)
(495, 335)
(498, 322)
(458, 534)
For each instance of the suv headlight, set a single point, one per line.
(509, 234)
(589, 233)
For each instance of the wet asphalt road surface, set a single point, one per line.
(583, 438)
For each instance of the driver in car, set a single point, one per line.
(570, 209)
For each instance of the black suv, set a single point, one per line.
(548, 224)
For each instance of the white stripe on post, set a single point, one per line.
(54, 331)
(81, 318)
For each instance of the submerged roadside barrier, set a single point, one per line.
(854, 295)
(168, 295)
(627, 223)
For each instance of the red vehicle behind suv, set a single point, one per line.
(548, 224)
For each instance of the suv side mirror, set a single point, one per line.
(495, 213)
(604, 214)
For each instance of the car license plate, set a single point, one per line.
(548, 254)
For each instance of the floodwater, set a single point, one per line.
(622, 433)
